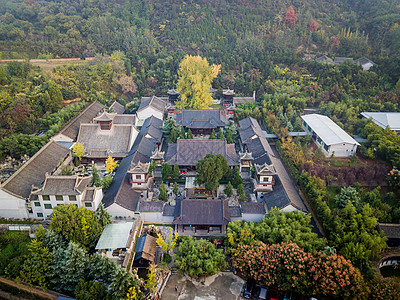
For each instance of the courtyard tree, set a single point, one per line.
(168, 244)
(220, 134)
(229, 190)
(195, 78)
(189, 135)
(103, 216)
(163, 196)
(110, 164)
(78, 225)
(175, 190)
(166, 171)
(211, 169)
(241, 193)
(78, 149)
(212, 135)
(176, 173)
(199, 258)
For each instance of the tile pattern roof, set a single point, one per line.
(203, 212)
(277, 197)
(33, 172)
(189, 152)
(243, 100)
(124, 119)
(169, 210)
(391, 231)
(117, 140)
(327, 130)
(363, 61)
(71, 130)
(201, 118)
(235, 211)
(384, 119)
(154, 102)
(151, 206)
(117, 107)
(64, 185)
(253, 208)
(120, 191)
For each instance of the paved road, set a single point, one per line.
(291, 189)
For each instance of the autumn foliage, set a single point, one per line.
(313, 26)
(288, 267)
(291, 16)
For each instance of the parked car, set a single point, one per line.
(287, 295)
(262, 295)
(255, 292)
(247, 289)
(274, 295)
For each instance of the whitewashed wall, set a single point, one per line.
(12, 206)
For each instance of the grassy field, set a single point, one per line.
(50, 65)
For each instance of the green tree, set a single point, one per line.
(103, 216)
(75, 224)
(241, 193)
(195, 78)
(175, 190)
(96, 180)
(229, 136)
(173, 136)
(347, 194)
(229, 190)
(182, 133)
(166, 171)
(220, 134)
(189, 134)
(176, 173)
(212, 135)
(106, 182)
(91, 290)
(211, 169)
(69, 266)
(151, 280)
(163, 196)
(36, 267)
(122, 281)
(199, 258)
(235, 177)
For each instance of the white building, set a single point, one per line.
(60, 190)
(15, 191)
(365, 63)
(385, 119)
(332, 139)
(151, 106)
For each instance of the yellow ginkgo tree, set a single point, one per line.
(194, 83)
(110, 164)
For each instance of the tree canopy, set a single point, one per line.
(211, 169)
(195, 78)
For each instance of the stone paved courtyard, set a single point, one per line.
(222, 286)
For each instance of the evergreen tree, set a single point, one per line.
(173, 136)
(229, 136)
(91, 290)
(122, 281)
(235, 177)
(96, 180)
(176, 172)
(189, 134)
(240, 192)
(220, 134)
(36, 267)
(182, 133)
(212, 135)
(104, 217)
(229, 190)
(210, 170)
(163, 196)
(166, 171)
(175, 188)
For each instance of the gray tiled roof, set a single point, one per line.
(153, 102)
(253, 208)
(117, 140)
(213, 212)
(124, 119)
(235, 211)
(64, 185)
(71, 130)
(201, 118)
(189, 152)
(278, 197)
(33, 172)
(391, 231)
(117, 107)
(120, 190)
(151, 206)
(169, 210)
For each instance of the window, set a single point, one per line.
(46, 197)
(59, 198)
(326, 148)
(37, 203)
(138, 176)
(47, 206)
(40, 215)
(305, 124)
(88, 204)
(72, 198)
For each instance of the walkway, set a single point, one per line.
(291, 189)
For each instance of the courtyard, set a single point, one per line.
(222, 286)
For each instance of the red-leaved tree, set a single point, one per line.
(313, 25)
(291, 16)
